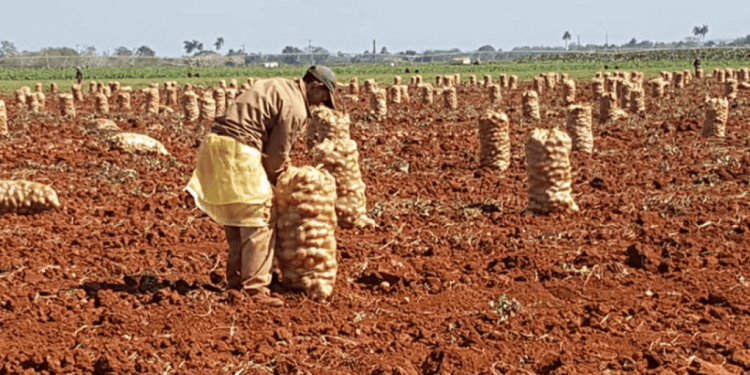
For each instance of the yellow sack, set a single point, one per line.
(230, 185)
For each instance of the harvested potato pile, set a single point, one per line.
(306, 244)
(26, 197)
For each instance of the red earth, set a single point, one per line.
(651, 276)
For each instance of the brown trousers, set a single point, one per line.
(250, 258)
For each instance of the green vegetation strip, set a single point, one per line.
(11, 80)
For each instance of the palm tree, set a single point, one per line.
(701, 31)
(189, 46)
(219, 43)
(566, 38)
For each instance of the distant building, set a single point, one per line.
(461, 61)
(272, 64)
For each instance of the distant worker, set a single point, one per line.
(79, 75)
(239, 162)
(697, 64)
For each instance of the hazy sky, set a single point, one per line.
(350, 26)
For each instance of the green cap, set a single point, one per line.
(325, 75)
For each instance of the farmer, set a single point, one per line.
(79, 74)
(239, 162)
(697, 64)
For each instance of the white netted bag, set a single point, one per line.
(450, 99)
(208, 107)
(394, 94)
(190, 106)
(152, 101)
(530, 105)
(730, 88)
(549, 171)
(494, 140)
(326, 123)
(494, 93)
(26, 197)
(341, 158)
(66, 104)
(378, 103)
(569, 91)
(717, 113)
(137, 143)
(305, 237)
(637, 101)
(579, 128)
(3, 118)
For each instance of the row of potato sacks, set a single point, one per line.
(312, 201)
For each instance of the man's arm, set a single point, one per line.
(280, 142)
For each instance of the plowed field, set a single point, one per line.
(651, 276)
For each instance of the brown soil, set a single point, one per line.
(651, 276)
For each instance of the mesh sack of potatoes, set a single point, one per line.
(418, 79)
(744, 75)
(137, 143)
(3, 118)
(550, 80)
(513, 82)
(340, 158)
(549, 171)
(208, 107)
(230, 95)
(220, 100)
(101, 104)
(717, 113)
(719, 75)
(597, 88)
(66, 104)
(679, 80)
(152, 101)
(396, 80)
(26, 198)
(123, 101)
(369, 86)
(378, 103)
(21, 98)
(425, 91)
(305, 201)
(472, 79)
(33, 103)
(657, 87)
(610, 84)
(93, 88)
(699, 74)
(250, 81)
(405, 98)
(354, 86)
(538, 85)
(624, 96)
(638, 101)
(53, 88)
(326, 123)
(494, 93)
(503, 81)
(450, 99)
(579, 128)
(494, 140)
(730, 88)
(77, 92)
(102, 126)
(233, 84)
(394, 94)
(744, 85)
(190, 106)
(607, 107)
(569, 91)
(448, 81)
(530, 105)
(487, 80)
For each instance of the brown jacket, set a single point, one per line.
(267, 117)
